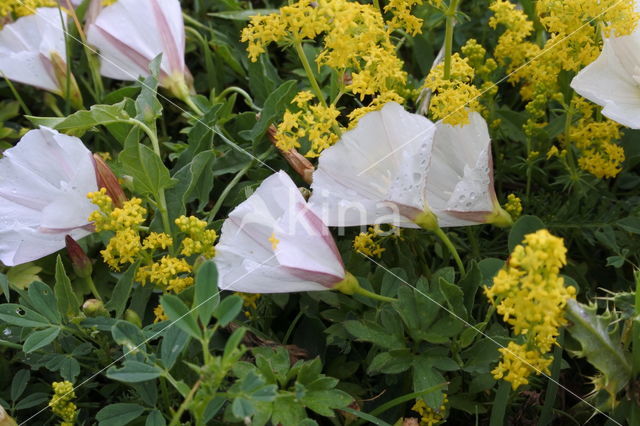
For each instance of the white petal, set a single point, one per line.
(44, 181)
(380, 164)
(22, 245)
(460, 179)
(304, 259)
(26, 46)
(609, 81)
(131, 33)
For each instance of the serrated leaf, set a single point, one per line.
(597, 346)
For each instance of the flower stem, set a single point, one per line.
(448, 36)
(187, 100)
(150, 133)
(310, 75)
(452, 249)
(175, 420)
(362, 292)
(162, 207)
(247, 98)
(92, 287)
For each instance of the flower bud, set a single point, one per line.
(94, 308)
(131, 316)
(66, 81)
(5, 420)
(107, 180)
(81, 263)
(297, 161)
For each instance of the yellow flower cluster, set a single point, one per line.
(316, 123)
(575, 27)
(124, 246)
(531, 296)
(453, 98)
(599, 154)
(356, 42)
(377, 103)
(513, 206)
(365, 243)
(402, 17)
(249, 301)
(199, 239)
(23, 7)
(476, 55)
(159, 314)
(61, 404)
(429, 416)
(171, 273)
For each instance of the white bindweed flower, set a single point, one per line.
(460, 188)
(129, 34)
(44, 182)
(613, 80)
(377, 172)
(33, 52)
(400, 168)
(273, 243)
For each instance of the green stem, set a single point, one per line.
(150, 133)
(292, 327)
(312, 80)
(176, 417)
(546, 415)
(452, 249)
(164, 213)
(448, 36)
(233, 183)
(187, 100)
(376, 4)
(16, 95)
(241, 92)
(92, 287)
(362, 292)
(10, 344)
(636, 329)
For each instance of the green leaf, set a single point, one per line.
(4, 287)
(179, 314)
(134, 372)
(121, 291)
(242, 15)
(19, 383)
(173, 343)
(364, 416)
(206, 296)
(119, 414)
(40, 339)
(325, 401)
(155, 418)
(148, 108)
(228, 309)
(274, 107)
(201, 179)
(81, 121)
(128, 335)
(373, 333)
(43, 300)
(22, 316)
(598, 346)
(149, 173)
(630, 224)
(22, 275)
(66, 299)
(392, 362)
(424, 377)
(523, 226)
(287, 411)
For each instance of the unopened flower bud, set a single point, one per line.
(82, 265)
(5, 419)
(107, 180)
(297, 161)
(66, 81)
(94, 308)
(131, 316)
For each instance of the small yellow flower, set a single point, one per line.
(159, 314)
(61, 404)
(513, 206)
(364, 243)
(428, 415)
(274, 241)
